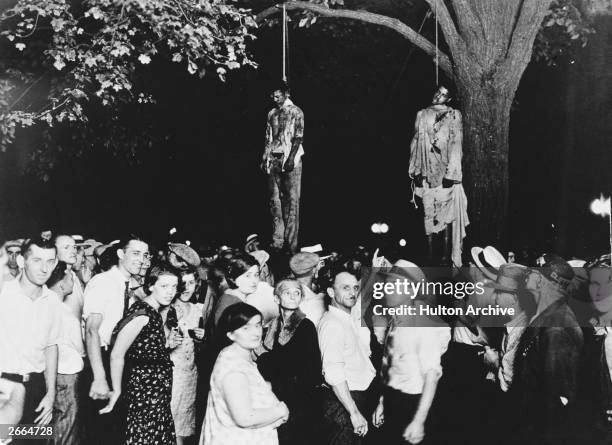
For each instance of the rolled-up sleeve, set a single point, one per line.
(95, 298)
(331, 343)
(430, 351)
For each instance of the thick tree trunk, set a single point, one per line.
(490, 44)
(485, 158)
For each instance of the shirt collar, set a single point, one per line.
(339, 313)
(117, 273)
(17, 288)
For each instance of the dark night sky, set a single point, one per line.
(359, 107)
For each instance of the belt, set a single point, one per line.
(17, 378)
(277, 155)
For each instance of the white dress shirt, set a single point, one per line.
(263, 300)
(104, 295)
(313, 305)
(412, 352)
(27, 328)
(71, 349)
(343, 355)
(362, 330)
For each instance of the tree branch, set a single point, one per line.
(27, 89)
(454, 41)
(527, 26)
(368, 17)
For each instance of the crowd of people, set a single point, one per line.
(127, 343)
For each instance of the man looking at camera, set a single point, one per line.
(30, 330)
(107, 298)
(346, 366)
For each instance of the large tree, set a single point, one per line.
(66, 63)
(75, 63)
(489, 43)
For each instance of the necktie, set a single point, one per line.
(126, 298)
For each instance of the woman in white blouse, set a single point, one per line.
(241, 408)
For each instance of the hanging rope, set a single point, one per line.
(437, 53)
(285, 43)
(391, 94)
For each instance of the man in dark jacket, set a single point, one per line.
(596, 383)
(547, 361)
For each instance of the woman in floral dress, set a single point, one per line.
(139, 349)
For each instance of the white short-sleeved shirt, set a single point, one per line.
(362, 330)
(313, 305)
(343, 354)
(71, 349)
(263, 300)
(77, 288)
(104, 295)
(412, 352)
(27, 328)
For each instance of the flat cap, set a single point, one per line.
(186, 253)
(303, 262)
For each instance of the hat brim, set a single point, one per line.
(475, 252)
(494, 257)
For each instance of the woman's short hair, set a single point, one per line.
(279, 284)
(155, 272)
(236, 266)
(181, 285)
(234, 317)
(58, 274)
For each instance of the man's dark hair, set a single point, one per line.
(36, 241)
(110, 254)
(58, 274)
(338, 268)
(125, 241)
(283, 87)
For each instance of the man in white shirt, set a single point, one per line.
(30, 329)
(67, 253)
(106, 300)
(12, 393)
(70, 361)
(346, 366)
(411, 363)
(304, 265)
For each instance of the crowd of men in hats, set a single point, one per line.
(539, 376)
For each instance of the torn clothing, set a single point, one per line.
(436, 148)
(443, 206)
